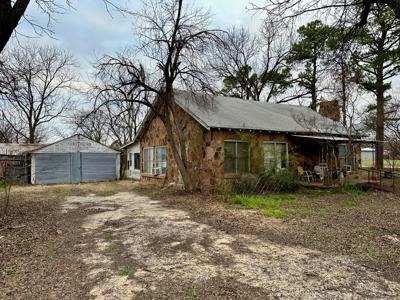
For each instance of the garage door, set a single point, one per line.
(98, 166)
(52, 168)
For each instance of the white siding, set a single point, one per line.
(76, 143)
(131, 150)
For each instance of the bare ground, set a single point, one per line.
(103, 246)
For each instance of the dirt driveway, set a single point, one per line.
(143, 249)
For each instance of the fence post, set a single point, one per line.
(394, 181)
(380, 177)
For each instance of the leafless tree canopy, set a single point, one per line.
(37, 86)
(173, 40)
(92, 124)
(255, 61)
(354, 11)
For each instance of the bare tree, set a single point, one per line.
(173, 39)
(353, 11)
(38, 85)
(14, 12)
(124, 119)
(123, 112)
(92, 124)
(253, 66)
(7, 133)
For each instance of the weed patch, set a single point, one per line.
(192, 293)
(125, 271)
(272, 206)
(356, 190)
(114, 247)
(108, 236)
(347, 203)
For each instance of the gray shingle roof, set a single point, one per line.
(232, 113)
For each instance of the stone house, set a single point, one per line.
(228, 136)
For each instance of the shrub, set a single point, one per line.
(282, 181)
(247, 184)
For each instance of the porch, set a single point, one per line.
(329, 160)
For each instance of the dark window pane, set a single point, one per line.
(242, 150)
(137, 161)
(242, 165)
(229, 149)
(229, 165)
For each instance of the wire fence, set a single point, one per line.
(388, 180)
(14, 168)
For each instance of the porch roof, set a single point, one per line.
(334, 138)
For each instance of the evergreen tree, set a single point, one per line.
(309, 51)
(377, 62)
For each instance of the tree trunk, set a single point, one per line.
(380, 128)
(314, 99)
(9, 19)
(181, 163)
(344, 92)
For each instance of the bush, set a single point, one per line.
(282, 181)
(247, 184)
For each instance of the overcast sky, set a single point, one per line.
(88, 30)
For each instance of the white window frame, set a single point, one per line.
(130, 159)
(248, 155)
(155, 161)
(151, 160)
(287, 153)
(156, 171)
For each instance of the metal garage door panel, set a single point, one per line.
(75, 167)
(98, 166)
(52, 168)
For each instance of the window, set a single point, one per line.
(276, 156)
(148, 160)
(155, 160)
(136, 160)
(130, 160)
(236, 157)
(161, 161)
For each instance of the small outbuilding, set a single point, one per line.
(73, 160)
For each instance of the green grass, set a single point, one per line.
(270, 206)
(356, 190)
(386, 163)
(2, 185)
(108, 236)
(114, 247)
(125, 271)
(192, 293)
(347, 203)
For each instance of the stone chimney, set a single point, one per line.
(330, 109)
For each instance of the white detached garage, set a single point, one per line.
(73, 160)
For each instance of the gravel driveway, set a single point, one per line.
(145, 250)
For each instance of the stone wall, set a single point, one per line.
(205, 151)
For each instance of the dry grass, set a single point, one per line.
(349, 222)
